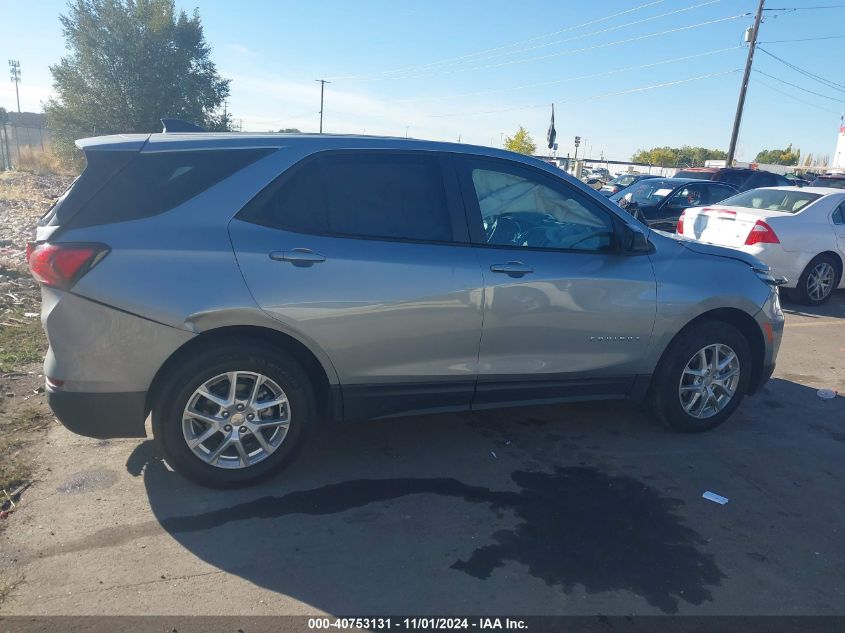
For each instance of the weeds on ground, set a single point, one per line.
(16, 431)
(42, 163)
(22, 340)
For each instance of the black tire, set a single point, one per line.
(245, 356)
(665, 399)
(801, 293)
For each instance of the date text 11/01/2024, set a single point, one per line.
(431, 623)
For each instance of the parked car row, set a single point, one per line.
(659, 202)
(798, 231)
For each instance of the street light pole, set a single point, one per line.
(323, 83)
(752, 45)
(15, 71)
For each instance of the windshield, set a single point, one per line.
(625, 180)
(646, 192)
(787, 201)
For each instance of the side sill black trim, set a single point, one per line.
(371, 401)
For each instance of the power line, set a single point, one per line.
(505, 46)
(599, 32)
(791, 96)
(614, 71)
(805, 39)
(828, 82)
(829, 6)
(591, 97)
(802, 88)
(580, 50)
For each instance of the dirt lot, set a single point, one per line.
(23, 411)
(582, 509)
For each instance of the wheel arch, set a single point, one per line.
(327, 392)
(743, 322)
(837, 258)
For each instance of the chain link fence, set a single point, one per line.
(20, 142)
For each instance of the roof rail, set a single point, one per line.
(178, 125)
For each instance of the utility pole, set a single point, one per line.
(323, 83)
(15, 70)
(752, 45)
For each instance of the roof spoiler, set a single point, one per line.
(178, 125)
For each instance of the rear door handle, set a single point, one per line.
(512, 269)
(298, 257)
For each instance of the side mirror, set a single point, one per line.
(635, 241)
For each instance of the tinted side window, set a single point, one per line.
(689, 196)
(732, 178)
(839, 215)
(156, 182)
(717, 193)
(359, 194)
(518, 209)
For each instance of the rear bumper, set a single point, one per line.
(100, 415)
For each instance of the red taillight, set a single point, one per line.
(60, 265)
(761, 233)
(680, 229)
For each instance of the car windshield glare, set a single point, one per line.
(782, 200)
(646, 192)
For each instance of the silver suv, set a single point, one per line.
(245, 288)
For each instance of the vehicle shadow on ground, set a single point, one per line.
(508, 511)
(833, 307)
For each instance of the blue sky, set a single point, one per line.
(623, 74)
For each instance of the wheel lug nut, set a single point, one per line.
(250, 417)
(242, 429)
(227, 428)
(225, 414)
(240, 407)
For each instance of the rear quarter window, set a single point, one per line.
(376, 194)
(155, 182)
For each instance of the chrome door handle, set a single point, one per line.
(512, 269)
(298, 257)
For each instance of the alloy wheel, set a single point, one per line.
(820, 281)
(236, 419)
(709, 381)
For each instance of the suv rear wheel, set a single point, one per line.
(233, 414)
(702, 378)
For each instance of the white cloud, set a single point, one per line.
(265, 102)
(240, 49)
(31, 96)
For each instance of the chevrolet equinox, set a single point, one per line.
(241, 289)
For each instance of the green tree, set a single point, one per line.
(290, 130)
(786, 156)
(684, 156)
(521, 142)
(129, 63)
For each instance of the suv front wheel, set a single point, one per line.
(702, 378)
(233, 414)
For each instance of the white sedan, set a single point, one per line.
(799, 232)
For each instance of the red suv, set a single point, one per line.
(740, 177)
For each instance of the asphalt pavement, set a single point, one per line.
(577, 509)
